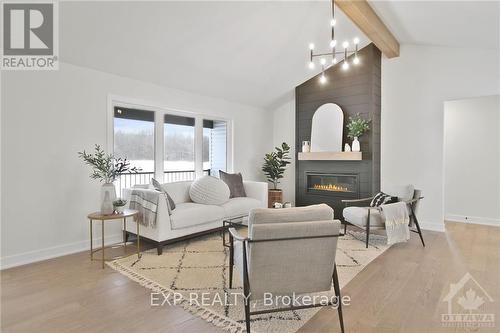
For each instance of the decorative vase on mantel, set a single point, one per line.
(355, 144)
(108, 195)
(273, 196)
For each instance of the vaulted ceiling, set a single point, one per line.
(248, 52)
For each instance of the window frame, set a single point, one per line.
(159, 115)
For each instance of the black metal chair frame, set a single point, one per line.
(233, 235)
(413, 216)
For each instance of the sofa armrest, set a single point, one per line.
(256, 190)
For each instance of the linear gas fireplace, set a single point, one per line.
(332, 183)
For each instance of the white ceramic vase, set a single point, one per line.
(355, 144)
(108, 195)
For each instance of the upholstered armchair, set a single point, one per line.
(358, 212)
(287, 251)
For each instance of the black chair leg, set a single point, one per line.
(418, 226)
(159, 248)
(231, 261)
(246, 288)
(368, 228)
(336, 287)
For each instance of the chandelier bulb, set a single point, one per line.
(322, 78)
(334, 60)
(322, 61)
(355, 60)
(311, 65)
(345, 65)
(311, 46)
(345, 44)
(333, 43)
(356, 41)
(333, 22)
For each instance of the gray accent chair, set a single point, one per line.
(358, 212)
(287, 251)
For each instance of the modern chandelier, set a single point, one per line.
(323, 57)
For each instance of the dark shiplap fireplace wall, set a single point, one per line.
(356, 90)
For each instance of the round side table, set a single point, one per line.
(97, 216)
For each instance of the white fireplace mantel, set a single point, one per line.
(331, 156)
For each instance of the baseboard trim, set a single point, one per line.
(473, 220)
(432, 226)
(54, 252)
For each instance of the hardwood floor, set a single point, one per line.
(400, 291)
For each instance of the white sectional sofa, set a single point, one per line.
(189, 219)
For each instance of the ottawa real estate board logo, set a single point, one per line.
(30, 38)
(469, 306)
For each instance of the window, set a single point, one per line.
(214, 146)
(168, 145)
(134, 139)
(179, 156)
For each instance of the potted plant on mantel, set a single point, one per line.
(356, 127)
(106, 168)
(274, 168)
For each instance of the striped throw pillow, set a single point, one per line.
(382, 199)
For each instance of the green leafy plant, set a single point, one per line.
(275, 163)
(357, 126)
(119, 202)
(105, 167)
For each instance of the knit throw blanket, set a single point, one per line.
(146, 202)
(396, 222)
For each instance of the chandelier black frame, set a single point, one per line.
(333, 54)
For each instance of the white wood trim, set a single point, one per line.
(473, 220)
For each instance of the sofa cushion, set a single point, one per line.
(189, 214)
(403, 192)
(209, 190)
(178, 191)
(359, 215)
(235, 183)
(159, 187)
(240, 206)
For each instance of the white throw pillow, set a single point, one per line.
(209, 190)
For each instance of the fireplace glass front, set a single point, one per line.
(332, 184)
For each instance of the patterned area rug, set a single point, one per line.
(200, 267)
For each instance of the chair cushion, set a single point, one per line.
(240, 206)
(403, 192)
(359, 215)
(190, 214)
(235, 183)
(321, 212)
(209, 190)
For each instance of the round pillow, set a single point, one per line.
(209, 190)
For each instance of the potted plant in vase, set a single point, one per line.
(106, 168)
(119, 205)
(274, 168)
(356, 127)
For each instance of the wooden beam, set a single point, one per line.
(362, 14)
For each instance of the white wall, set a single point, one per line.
(414, 89)
(284, 131)
(47, 117)
(472, 160)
